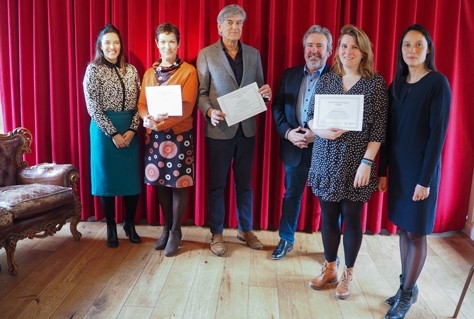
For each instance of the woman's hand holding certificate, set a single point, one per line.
(152, 122)
(328, 134)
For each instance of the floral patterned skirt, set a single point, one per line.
(169, 159)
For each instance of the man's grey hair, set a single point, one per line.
(229, 11)
(321, 30)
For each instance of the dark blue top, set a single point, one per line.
(417, 127)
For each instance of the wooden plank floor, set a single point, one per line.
(61, 278)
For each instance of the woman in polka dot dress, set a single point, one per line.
(342, 172)
(169, 154)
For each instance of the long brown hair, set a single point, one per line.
(366, 66)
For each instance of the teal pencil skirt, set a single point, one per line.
(114, 171)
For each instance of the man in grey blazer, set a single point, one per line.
(223, 67)
(296, 143)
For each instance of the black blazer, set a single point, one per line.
(284, 114)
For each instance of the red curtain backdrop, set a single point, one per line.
(46, 45)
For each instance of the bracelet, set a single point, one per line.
(368, 159)
(366, 162)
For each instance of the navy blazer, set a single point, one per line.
(284, 114)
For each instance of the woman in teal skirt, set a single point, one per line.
(111, 90)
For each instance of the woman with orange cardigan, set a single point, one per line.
(169, 153)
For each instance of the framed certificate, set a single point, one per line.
(342, 111)
(242, 104)
(164, 99)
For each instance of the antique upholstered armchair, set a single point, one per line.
(35, 201)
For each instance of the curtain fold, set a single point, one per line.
(46, 45)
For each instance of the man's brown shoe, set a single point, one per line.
(250, 238)
(218, 245)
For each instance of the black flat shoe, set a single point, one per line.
(281, 250)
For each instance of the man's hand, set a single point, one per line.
(215, 116)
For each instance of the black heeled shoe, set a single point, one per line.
(131, 233)
(160, 244)
(112, 239)
(391, 300)
(403, 301)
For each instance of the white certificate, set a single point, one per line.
(242, 104)
(342, 111)
(164, 99)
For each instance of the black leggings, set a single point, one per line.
(108, 205)
(331, 229)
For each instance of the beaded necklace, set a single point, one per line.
(164, 73)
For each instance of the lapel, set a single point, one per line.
(298, 77)
(223, 60)
(326, 69)
(246, 59)
(295, 80)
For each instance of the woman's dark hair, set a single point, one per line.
(167, 28)
(99, 54)
(401, 71)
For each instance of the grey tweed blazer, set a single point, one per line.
(216, 78)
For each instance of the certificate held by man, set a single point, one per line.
(164, 99)
(242, 104)
(341, 111)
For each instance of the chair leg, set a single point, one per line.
(466, 285)
(10, 250)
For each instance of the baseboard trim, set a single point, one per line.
(469, 230)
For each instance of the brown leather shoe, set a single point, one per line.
(218, 245)
(343, 289)
(250, 238)
(328, 275)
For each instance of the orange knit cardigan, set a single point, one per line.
(186, 76)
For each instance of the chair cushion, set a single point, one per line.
(23, 201)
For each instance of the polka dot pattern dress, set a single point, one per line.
(334, 163)
(169, 159)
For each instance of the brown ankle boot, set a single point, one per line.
(328, 275)
(343, 289)
(163, 240)
(172, 246)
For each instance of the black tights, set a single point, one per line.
(331, 229)
(173, 202)
(108, 205)
(413, 250)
